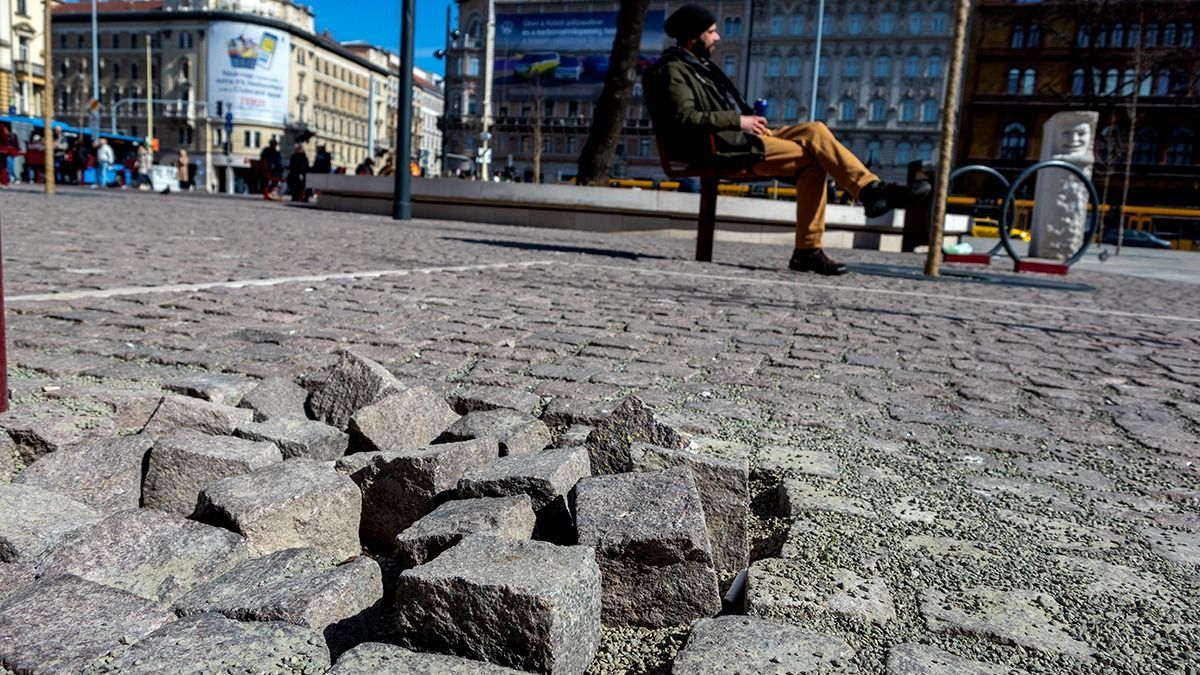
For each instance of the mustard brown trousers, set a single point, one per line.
(809, 153)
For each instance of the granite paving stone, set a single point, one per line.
(33, 519)
(370, 658)
(182, 463)
(400, 421)
(751, 645)
(176, 413)
(105, 474)
(445, 526)
(546, 477)
(274, 398)
(516, 432)
(298, 437)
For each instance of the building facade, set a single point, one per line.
(257, 62)
(1028, 62)
(22, 56)
(544, 118)
(429, 104)
(881, 78)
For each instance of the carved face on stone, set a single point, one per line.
(1074, 139)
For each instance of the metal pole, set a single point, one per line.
(933, 262)
(95, 56)
(47, 109)
(371, 119)
(489, 56)
(812, 107)
(149, 102)
(402, 186)
(445, 108)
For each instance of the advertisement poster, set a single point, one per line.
(566, 51)
(249, 70)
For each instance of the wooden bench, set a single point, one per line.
(710, 177)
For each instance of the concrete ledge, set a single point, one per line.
(599, 209)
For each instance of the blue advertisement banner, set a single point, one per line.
(566, 50)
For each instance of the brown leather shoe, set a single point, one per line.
(815, 260)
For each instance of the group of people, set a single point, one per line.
(298, 169)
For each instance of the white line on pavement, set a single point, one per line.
(886, 291)
(244, 283)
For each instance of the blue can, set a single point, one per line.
(760, 107)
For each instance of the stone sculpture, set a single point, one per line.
(1061, 200)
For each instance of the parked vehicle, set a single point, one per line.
(1136, 239)
(569, 68)
(537, 64)
(989, 228)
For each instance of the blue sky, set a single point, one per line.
(378, 22)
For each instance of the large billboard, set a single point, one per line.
(566, 51)
(249, 72)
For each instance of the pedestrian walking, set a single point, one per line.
(322, 162)
(297, 177)
(365, 168)
(144, 166)
(184, 169)
(104, 159)
(693, 105)
(272, 165)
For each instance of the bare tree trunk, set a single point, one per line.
(595, 160)
(1131, 140)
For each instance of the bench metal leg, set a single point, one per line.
(707, 222)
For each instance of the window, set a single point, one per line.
(1082, 38)
(887, 23)
(793, 66)
(1181, 147)
(246, 138)
(643, 147)
(571, 143)
(827, 24)
(1135, 34)
(62, 41)
(903, 153)
(847, 111)
(730, 66)
(823, 66)
(1018, 37)
(1145, 146)
(185, 135)
(22, 7)
(1112, 81)
(850, 67)
(1168, 35)
(777, 25)
(185, 40)
(929, 111)
(912, 66)
(1033, 38)
(878, 110)
(116, 40)
(855, 25)
(1014, 142)
(938, 22)
(1118, 35)
(79, 41)
(874, 148)
(1028, 82)
(908, 110)
(797, 25)
(925, 152)
(790, 109)
(1152, 35)
(933, 67)
(1078, 82)
(1014, 81)
(819, 114)
(1128, 79)
(773, 66)
(1188, 36)
(1164, 84)
(916, 23)
(883, 66)
(472, 66)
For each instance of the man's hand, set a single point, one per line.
(753, 124)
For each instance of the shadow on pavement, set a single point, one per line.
(559, 248)
(977, 276)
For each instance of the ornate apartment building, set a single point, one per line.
(22, 56)
(258, 61)
(552, 99)
(881, 78)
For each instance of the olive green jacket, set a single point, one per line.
(691, 100)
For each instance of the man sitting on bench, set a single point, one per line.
(694, 105)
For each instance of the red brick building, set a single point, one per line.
(1030, 60)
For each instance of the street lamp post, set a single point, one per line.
(812, 108)
(95, 55)
(489, 58)
(402, 186)
(451, 35)
(48, 105)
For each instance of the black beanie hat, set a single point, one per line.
(688, 22)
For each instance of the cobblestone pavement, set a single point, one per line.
(1008, 474)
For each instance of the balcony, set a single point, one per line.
(24, 67)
